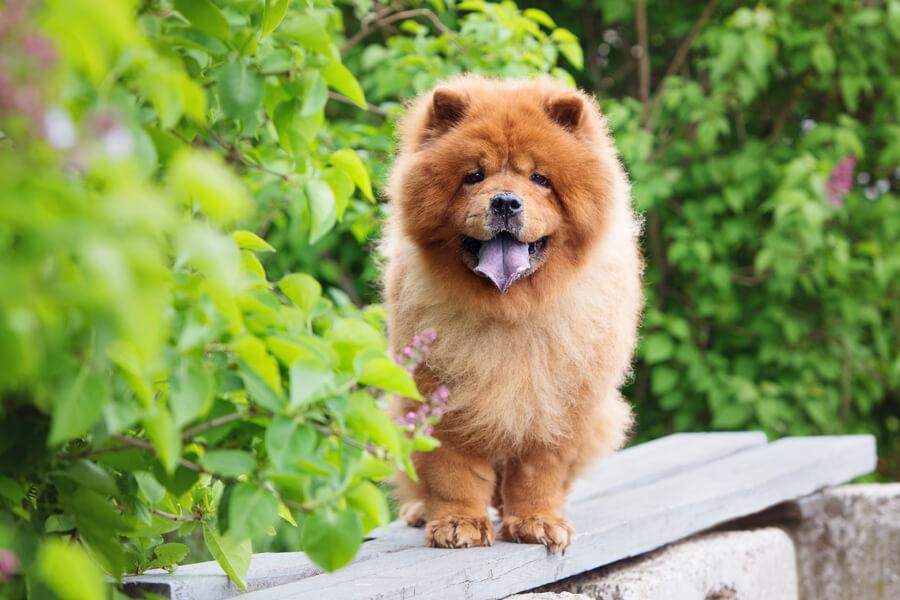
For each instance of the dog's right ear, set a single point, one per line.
(448, 107)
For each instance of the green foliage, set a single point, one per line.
(772, 300)
(157, 385)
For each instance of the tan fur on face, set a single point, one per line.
(534, 374)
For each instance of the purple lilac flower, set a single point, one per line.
(840, 181)
(431, 410)
(9, 565)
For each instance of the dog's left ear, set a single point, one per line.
(566, 110)
(447, 109)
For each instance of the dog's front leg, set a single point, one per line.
(458, 486)
(534, 497)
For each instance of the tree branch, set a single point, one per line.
(235, 155)
(380, 22)
(222, 421)
(679, 59)
(640, 9)
(370, 447)
(369, 107)
(189, 517)
(94, 452)
(144, 445)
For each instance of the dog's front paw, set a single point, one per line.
(553, 532)
(413, 513)
(459, 532)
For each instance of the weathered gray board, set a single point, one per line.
(639, 464)
(645, 497)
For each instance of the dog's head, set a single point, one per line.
(509, 181)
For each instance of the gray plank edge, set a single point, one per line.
(610, 527)
(630, 467)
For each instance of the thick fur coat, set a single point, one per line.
(512, 235)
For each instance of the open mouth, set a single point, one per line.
(503, 259)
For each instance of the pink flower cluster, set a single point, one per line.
(414, 355)
(9, 565)
(840, 181)
(430, 411)
(427, 415)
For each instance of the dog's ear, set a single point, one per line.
(447, 109)
(567, 110)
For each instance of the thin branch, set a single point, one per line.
(235, 154)
(750, 280)
(685, 47)
(222, 421)
(94, 452)
(380, 22)
(190, 517)
(370, 447)
(640, 9)
(369, 107)
(679, 59)
(144, 445)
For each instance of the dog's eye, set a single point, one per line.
(475, 177)
(540, 180)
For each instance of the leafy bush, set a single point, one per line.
(155, 384)
(772, 267)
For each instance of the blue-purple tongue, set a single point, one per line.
(503, 260)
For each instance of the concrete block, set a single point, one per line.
(849, 547)
(711, 566)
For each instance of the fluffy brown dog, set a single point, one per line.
(513, 236)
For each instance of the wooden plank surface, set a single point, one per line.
(633, 466)
(610, 527)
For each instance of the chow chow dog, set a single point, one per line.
(512, 235)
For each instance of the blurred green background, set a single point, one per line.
(763, 144)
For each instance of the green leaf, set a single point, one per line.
(91, 475)
(289, 137)
(233, 556)
(309, 33)
(171, 553)
(252, 510)
(657, 347)
(368, 420)
(230, 463)
(164, 435)
(387, 375)
(288, 441)
(302, 290)
(315, 94)
(253, 352)
(342, 187)
(662, 379)
(78, 408)
(322, 209)
(247, 240)
(342, 80)
(331, 538)
(309, 379)
(348, 160)
(240, 90)
(539, 16)
(153, 490)
(274, 13)
(370, 503)
(823, 59)
(259, 390)
(191, 392)
(204, 15)
(67, 570)
(202, 177)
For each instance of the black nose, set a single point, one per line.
(506, 204)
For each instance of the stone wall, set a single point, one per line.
(839, 544)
